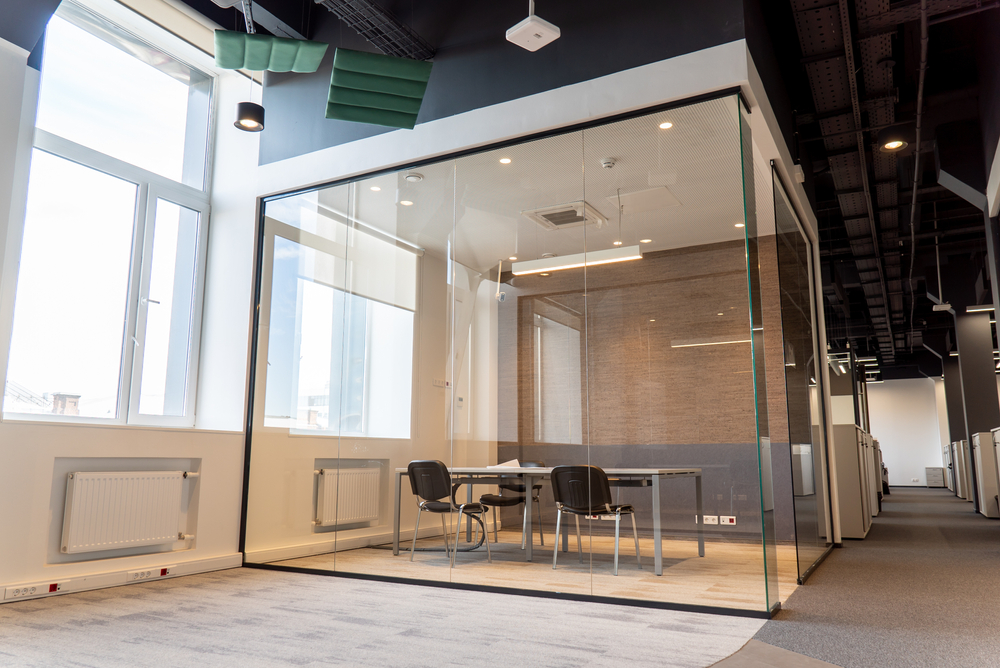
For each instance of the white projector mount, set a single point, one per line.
(533, 32)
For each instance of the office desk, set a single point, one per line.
(487, 475)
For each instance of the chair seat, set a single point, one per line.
(518, 488)
(473, 508)
(437, 506)
(500, 501)
(624, 508)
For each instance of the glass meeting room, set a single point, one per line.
(610, 328)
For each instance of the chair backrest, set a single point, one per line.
(429, 479)
(516, 483)
(581, 488)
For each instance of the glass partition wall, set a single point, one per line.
(591, 298)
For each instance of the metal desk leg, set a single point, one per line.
(701, 517)
(468, 525)
(395, 519)
(529, 539)
(657, 537)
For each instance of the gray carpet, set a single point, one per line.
(922, 590)
(249, 618)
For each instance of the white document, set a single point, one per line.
(512, 464)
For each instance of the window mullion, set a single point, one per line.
(138, 302)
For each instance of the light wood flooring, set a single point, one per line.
(730, 575)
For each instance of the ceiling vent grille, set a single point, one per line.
(564, 216)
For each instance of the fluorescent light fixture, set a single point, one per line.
(867, 359)
(874, 382)
(695, 344)
(953, 353)
(978, 309)
(606, 256)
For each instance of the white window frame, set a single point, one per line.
(149, 188)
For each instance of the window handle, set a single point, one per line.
(135, 342)
(146, 300)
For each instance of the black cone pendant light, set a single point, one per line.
(249, 115)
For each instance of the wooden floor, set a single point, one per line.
(730, 575)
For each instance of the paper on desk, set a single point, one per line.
(512, 464)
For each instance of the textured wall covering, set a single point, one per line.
(645, 401)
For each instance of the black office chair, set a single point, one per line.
(430, 481)
(516, 489)
(585, 490)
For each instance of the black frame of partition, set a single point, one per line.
(251, 384)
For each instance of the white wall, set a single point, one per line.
(904, 419)
(36, 456)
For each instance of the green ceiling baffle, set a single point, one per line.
(376, 89)
(249, 51)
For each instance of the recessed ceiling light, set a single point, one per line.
(375, 189)
(652, 319)
(740, 225)
(645, 241)
(406, 202)
(413, 177)
(718, 314)
(666, 125)
(504, 161)
(545, 274)
(512, 258)
(616, 243)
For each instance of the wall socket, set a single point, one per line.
(148, 574)
(709, 519)
(727, 519)
(34, 590)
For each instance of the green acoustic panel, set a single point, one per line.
(243, 51)
(376, 89)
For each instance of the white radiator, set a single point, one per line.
(108, 511)
(347, 496)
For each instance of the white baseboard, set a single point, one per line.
(343, 542)
(58, 586)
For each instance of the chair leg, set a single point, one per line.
(579, 542)
(495, 539)
(458, 533)
(635, 534)
(555, 550)
(444, 532)
(416, 529)
(475, 538)
(489, 555)
(541, 534)
(618, 524)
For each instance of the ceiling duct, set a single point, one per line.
(564, 216)
(380, 28)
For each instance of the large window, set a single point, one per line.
(108, 303)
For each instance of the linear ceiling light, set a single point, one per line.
(707, 343)
(607, 256)
(978, 309)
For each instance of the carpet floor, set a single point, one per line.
(246, 618)
(923, 589)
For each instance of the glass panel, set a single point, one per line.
(169, 310)
(69, 313)
(807, 453)
(519, 354)
(591, 298)
(97, 90)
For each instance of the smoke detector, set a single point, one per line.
(533, 32)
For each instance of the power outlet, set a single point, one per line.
(148, 574)
(708, 519)
(727, 519)
(34, 590)
(914, 479)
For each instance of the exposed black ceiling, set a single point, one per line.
(23, 23)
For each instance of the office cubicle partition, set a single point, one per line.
(594, 297)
